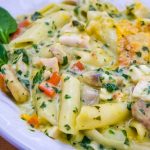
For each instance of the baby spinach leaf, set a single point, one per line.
(3, 56)
(35, 16)
(38, 77)
(18, 53)
(8, 25)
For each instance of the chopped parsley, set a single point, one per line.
(97, 107)
(67, 127)
(38, 77)
(125, 76)
(111, 131)
(85, 143)
(56, 90)
(79, 25)
(142, 111)
(35, 46)
(43, 105)
(145, 48)
(75, 110)
(67, 96)
(139, 54)
(126, 138)
(92, 8)
(129, 105)
(19, 72)
(18, 53)
(35, 16)
(101, 147)
(65, 61)
(76, 10)
(66, 78)
(69, 136)
(148, 105)
(97, 118)
(110, 87)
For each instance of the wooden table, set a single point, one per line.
(4, 145)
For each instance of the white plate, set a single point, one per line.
(12, 128)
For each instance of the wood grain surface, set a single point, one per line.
(4, 145)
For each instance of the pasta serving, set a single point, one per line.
(80, 72)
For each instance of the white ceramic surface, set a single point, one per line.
(12, 128)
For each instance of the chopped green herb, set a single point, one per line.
(66, 78)
(111, 131)
(101, 147)
(148, 105)
(75, 110)
(76, 10)
(106, 45)
(75, 23)
(110, 87)
(67, 96)
(35, 46)
(67, 127)
(69, 136)
(47, 23)
(50, 33)
(97, 118)
(129, 105)
(79, 25)
(56, 90)
(65, 61)
(139, 54)
(126, 138)
(124, 133)
(142, 111)
(21, 52)
(46, 133)
(38, 77)
(142, 23)
(85, 143)
(35, 16)
(125, 76)
(126, 141)
(145, 48)
(92, 8)
(43, 105)
(97, 107)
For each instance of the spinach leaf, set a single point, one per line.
(8, 25)
(38, 77)
(3, 56)
(22, 52)
(85, 143)
(65, 61)
(35, 16)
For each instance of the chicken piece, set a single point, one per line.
(90, 95)
(92, 78)
(75, 40)
(19, 92)
(58, 52)
(49, 63)
(142, 90)
(141, 112)
(96, 79)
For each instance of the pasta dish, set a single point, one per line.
(80, 72)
